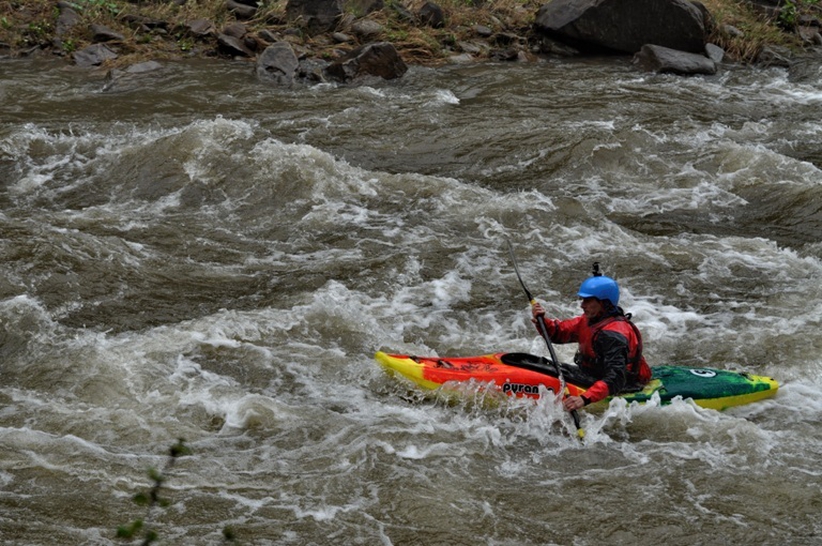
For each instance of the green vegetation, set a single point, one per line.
(791, 11)
(143, 529)
(28, 24)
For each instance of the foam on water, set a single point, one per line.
(227, 281)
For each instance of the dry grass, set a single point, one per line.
(758, 30)
(28, 24)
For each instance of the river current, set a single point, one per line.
(197, 255)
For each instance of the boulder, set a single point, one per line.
(654, 58)
(277, 64)
(623, 26)
(379, 59)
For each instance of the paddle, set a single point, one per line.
(544, 334)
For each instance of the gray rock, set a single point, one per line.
(732, 31)
(233, 46)
(241, 11)
(93, 55)
(624, 26)
(66, 19)
(101, 33)
(380, 59)
(341, 38)
(774, 56)
(654, 58)
(714, 52)
(238, 30)
(483, 31)
(367, 29)
(269, 36)
(277, 64)
(200, 28)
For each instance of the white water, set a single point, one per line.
(221, 268)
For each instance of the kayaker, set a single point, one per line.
(610, 345)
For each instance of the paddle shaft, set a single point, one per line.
(544, 333)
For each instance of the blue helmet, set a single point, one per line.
(601, 288)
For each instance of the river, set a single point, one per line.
(196, 255)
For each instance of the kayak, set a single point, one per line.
(526, 375)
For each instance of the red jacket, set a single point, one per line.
(610, 350)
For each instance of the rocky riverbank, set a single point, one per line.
(330, 33)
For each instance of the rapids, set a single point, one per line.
(200, 256)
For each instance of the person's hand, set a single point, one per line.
(537, 311)
(572, 403)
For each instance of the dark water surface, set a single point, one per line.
(197, 255)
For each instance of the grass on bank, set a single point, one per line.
(30, 24)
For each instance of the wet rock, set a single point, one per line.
(624, 26)
(93, 55)
(654, 58)
(546, 46)
(277, 64)
(312, 70)
(129, 78)
(774, 56)
(380, 59)
(806, 69)
(506, 54)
